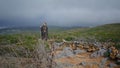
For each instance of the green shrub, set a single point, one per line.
(69, 38)
(107, 54)
(117, 46)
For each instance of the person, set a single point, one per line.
(44, 31)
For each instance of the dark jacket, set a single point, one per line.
(44, 32)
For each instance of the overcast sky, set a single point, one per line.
(59, 12)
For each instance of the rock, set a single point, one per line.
(76, 42)
(78, 51)
(98, 44)
(118, 61)
(67, 51)
(98, 53)
(57, 45)
(83, 63)
(104, 61)
(102, 64)
(94, 54)
(118, 55)
(60, 55)
(86, 47)
(101, 52)
(112, 65)
(62, 65)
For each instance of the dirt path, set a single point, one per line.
(82, 60)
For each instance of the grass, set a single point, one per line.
(101, 33)
(28, 40)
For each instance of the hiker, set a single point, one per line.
(44, 31)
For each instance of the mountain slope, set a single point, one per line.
(101, 33)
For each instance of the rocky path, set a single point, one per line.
(80, 58)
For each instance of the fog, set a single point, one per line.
(59, 12)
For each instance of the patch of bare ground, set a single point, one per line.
(83, 60)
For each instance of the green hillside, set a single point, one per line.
(108, 32)
(28, 40)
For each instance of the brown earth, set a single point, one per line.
(84, 57)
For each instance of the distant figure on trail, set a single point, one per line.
(44, 31)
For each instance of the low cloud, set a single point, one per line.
(59, 12)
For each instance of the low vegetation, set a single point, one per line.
(104, 33)
(24, 44)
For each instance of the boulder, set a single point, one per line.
(67, 51)
(99, 53)
(78, 51)
(112, 65)
(83, 63)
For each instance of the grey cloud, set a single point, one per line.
(61, 12)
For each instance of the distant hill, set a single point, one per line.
(9, 30)
(103, 33)
(106, 32)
